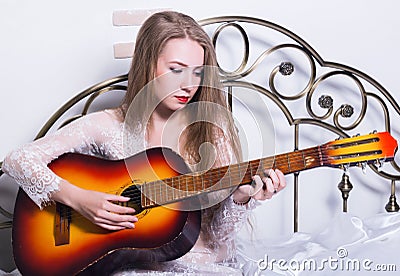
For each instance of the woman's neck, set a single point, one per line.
(164, 131)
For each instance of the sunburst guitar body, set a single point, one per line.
(59, 241)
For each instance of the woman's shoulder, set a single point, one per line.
(105, 116)
(114, 114)
(106, 120)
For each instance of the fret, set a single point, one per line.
(288, 162)
(187, 188)
(225, 178)
(259, 169)
(168, 194)
(194, 180)
(228, 177)
(176, 187)
(320, 156)
(193, 184)
(162, 194)
(251, 170)
(202, 181)
(240, 172)
(232, 175)
(243, 171)
(158, 194)
(143, 196)
(177, 190)
(170, 188)
(210, 180)
(304, 159)
(149, 193)
(179, 183)
(262, 166)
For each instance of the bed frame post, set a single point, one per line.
(392, 205)
(296, 184)
(345, 187)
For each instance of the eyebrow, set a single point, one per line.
(185, 65)
(179, 62)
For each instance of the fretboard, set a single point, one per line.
(184, 186)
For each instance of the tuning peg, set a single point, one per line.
(364, 167)
(374, 132)
(345, 168)
(356, 135)
(379, 164)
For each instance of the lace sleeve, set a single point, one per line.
(230, 217)
(28, 163)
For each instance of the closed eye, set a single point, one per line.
(175, 70)
(199, 73)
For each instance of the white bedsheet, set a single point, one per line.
(348, 246)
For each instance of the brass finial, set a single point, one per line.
(345, 187)
(392, 205)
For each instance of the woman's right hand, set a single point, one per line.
(96, 206)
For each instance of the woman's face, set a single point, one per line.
(178, 74)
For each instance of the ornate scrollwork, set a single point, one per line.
(345, 110)
(337, 117)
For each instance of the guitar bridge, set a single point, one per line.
(62, 223)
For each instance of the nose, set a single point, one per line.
(189, 82)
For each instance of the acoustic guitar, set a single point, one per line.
(59, 241)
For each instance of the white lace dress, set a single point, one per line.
(102, 133)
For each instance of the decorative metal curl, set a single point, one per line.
(287, 68)
(344, 111)
(238, 71)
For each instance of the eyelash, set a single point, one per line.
(198, 74)
(177, 71)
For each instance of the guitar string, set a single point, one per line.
(251, 166)
(296, 161)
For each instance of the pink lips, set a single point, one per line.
(182, 99)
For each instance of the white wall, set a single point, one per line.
(51, 50)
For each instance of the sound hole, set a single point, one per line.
(135, 195)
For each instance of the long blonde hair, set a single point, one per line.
(151, 39)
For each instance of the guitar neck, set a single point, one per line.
(228, 177)
(349, 151)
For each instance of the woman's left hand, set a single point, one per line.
(263, 188)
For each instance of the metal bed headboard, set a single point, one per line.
(318, 73)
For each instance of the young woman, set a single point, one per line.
(173, 89)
